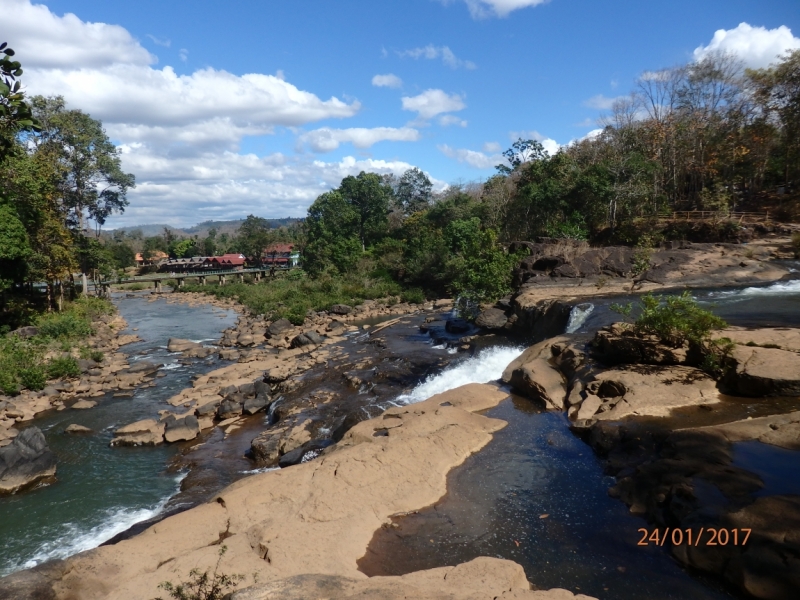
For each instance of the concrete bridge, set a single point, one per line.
(223, 276)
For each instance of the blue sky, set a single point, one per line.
(258, 106)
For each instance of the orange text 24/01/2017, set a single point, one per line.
(710, 536)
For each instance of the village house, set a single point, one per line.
(155, 258)
(280, 255)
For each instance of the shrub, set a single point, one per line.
(64, 326)
(673, 319)
(413, 296)
(63, 367)
(33, 378)
(205, 585)
(8, 384)
(796, 244)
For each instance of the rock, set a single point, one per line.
(25, 461)
(340, 309)
(247, 389)
(541, 382)
(443, 303)
(304, 453)
(228, 390)
(26, 332)
(253, 405)
(245, 339)
(83, 404)
(492, 318)
(85, 365)
(229, 354)
(147, 432)
(756, 372)
(143, 368)
(588, 407)
(180, 345)
(278, 327)
(229, 409)
(616, 345)
(307, 338)
(208, 409)
(75, 428)
(457, 326)
(178, 430)
(199, 352)
(652, 390)
(279, 373)
(261, 388)
(335, 326)
(778, 430)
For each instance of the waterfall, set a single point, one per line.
(578, 316)
(487, 365)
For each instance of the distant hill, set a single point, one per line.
(201, 229)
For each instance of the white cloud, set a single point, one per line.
(327, 139)
(473, 158)
(431, 52)
(447, 120)
(756, 46)
(492, 147)
(228, 185)
(481, 9)
(165, 42)
(549, 144)
(389, 80)
(44, 40)
(183, 54)
(430, 103)
(600, 102)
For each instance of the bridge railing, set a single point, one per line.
(185, 274)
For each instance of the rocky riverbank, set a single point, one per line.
(305, 527)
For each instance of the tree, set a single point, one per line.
(414, 191)
(15, 112)
(333, 234)
(369, 196)
(521, 152)
(91, 182)
(253, 236)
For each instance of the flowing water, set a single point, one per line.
(101, 491)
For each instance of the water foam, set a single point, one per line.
(77, 538)
(784, 287)
(578, 316)
(487, 366)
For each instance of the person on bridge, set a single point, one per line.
(272, 271)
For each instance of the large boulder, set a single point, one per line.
(229, 409)
(307, 338)
(143, 367)
(245, 339)
(492, 318)
(26, 332)
(178, 430)
(755, 372)
(304, 453)
(25, 461)
(252, 405)
(616, 344)
(278, 327)
(147, 432)
(340, 309)
(457, 326)
(540, 381)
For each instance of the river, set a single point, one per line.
(495, 502)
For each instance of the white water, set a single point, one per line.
(75, 539)
(782, 287)
(487, 366)
(578, 316)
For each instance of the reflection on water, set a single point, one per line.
(101, 491)
(536, 495)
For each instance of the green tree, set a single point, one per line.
(369, 196)
(91, 183)
(15, 112)
(333, 226)
(254, 236)
(414, 191)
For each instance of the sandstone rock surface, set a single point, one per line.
(492, 318)
(763, 372)
(147, 432)
(25, 461)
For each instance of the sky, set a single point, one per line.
(221, 110)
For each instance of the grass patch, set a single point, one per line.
(292, 295)
(22, 361)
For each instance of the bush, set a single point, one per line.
(673, 319)
(205, 585)
(8, 384)
(63, 367)
(413, 296)
(796, 244)
(64, 326)
(33, 378)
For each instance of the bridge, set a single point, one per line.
(157, 278)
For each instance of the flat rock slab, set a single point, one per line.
(147, 432)
(763, 372)
(786, 338)
(778, 430)
(83, 404)
(75, 428)
(651, 390)
(25, 461)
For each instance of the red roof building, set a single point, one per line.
(278, 254)
(228, 261)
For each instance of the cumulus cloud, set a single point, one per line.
(228, 185)
(600, 102)
(447, 120)
(431, 52)
(482, 9)
(327, 139)
(492, 147)
(183, 54)
(757, 47)
(44, 40)
(389, 80)
(433, 102)
(472, 158)
(166, 43)
(180, 134)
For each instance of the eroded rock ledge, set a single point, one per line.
(311, 522)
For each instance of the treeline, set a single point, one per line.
(708, 135)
